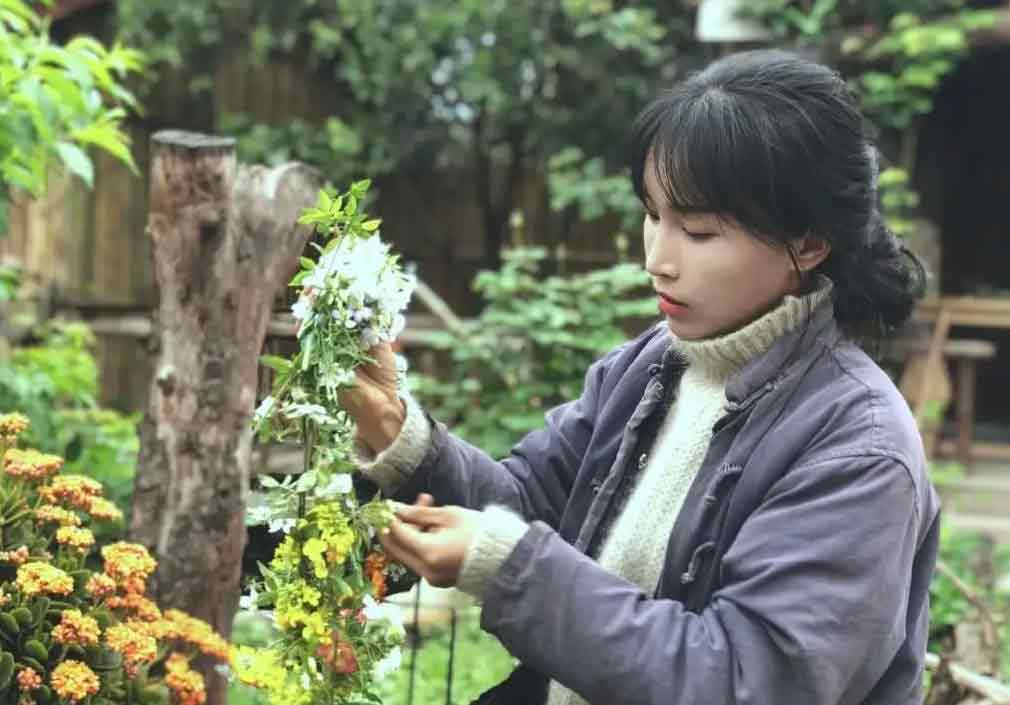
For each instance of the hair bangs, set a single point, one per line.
(707, 157)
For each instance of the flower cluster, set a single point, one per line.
(328, 571)
(75, 635)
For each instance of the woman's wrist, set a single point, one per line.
(384, 428)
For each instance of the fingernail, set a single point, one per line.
(385, 531)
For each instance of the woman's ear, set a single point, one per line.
(811, 251)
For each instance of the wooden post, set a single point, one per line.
(224, 239)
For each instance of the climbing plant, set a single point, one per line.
(895, 53)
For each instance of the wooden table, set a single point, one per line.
(992, 312)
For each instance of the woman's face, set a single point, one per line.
(710, 274)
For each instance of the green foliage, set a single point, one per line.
(897, 200)
(919, 54)
(55, 384)
(422, 82)
(962, 551)
(531, 346)
(335, 148)
(58, 100)
(788, 19)
(480, 663)
(584, 185)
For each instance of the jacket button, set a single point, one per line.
(642, 461)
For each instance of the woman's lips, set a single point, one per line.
(671, 307)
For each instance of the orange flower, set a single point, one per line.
(137, 605)
(100, 586)
(134, 644)
(76, 491)
(42, 578)
(31, 464)
(28, 679)
(76, 629)
(74, 681)
(16, 557)
(103, 510)
(182, 627)
(74, 537)
(57, 515)
(339, 654)
(375, 572)
(129, 564)
(187, 685)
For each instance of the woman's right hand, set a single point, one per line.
(374, 402)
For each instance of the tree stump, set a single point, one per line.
(225, 239)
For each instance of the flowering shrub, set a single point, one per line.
(70, 634)
(327, 578)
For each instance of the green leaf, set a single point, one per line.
(276, 363)
(77, 161)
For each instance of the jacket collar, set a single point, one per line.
(792, 353)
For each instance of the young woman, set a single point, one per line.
(736, 510)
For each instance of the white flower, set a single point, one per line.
(283, 525)
(265, 409)
(302, 309)
(259, 514)
(383, 611)
(390, 663)
(338, 484)
(370, 338)
(248, 602)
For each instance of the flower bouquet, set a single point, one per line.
(326, 580)
(71, 634)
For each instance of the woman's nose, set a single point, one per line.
(661, 260)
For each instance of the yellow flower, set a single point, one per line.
(104, 510)
(12, 425)
(287, 555)
(57, 515)
(260, 668)
(76, 491)
(314, 549)
(190, 630)
(187, 685)
(74, 681)
(31, 464)
(41, 578)
(129, 564)
(76, 629)
(74, 537)
(134, 644)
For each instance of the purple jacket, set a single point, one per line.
(797, 572)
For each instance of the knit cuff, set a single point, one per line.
(500, 531)
(394, 465)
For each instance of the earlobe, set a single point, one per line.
(812, 251)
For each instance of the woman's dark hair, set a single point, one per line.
(777, 143)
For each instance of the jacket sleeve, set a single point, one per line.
(812, 607)
(536, 478)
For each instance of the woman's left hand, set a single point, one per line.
(431, 541)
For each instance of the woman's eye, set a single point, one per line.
(700, 236)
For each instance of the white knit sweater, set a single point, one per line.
(635, 548)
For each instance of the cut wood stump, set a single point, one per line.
(224, 239)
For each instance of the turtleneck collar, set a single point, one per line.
(726, 355)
